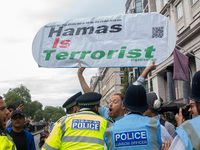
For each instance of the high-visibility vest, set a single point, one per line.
(189, 132)
(134, 132)
(82, 130)
(6, 142)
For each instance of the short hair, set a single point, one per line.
(1, 97)
(69, 110)
(120, 95)
(11, 106)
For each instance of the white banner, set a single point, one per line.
(112, 41)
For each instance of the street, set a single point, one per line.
(37, 139)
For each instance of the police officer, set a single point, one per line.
(70, 105)
(155, 103)
(6, 141)
(188, 133)
(81, 130)
(134, 131)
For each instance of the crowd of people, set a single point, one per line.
(131, 121)
(15, 130)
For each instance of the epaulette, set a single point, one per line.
(2, 132)
(111, 121)
(59, 120)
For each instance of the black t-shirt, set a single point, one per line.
(19, 139)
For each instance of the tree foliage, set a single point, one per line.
(34, 106)
(57, 112)
(39, 115)
(19, 95)
(50, 113)
(125, 81)
(32, 109)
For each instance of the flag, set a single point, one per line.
(181, 70)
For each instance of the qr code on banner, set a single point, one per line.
(157, 32)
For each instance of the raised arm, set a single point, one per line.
(144, 74)
(82, 81)
(148, 69)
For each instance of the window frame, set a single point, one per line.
(193, 1)
(179, 10)
(164, 2)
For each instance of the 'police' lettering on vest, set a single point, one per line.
(85, 124)
(131, 138)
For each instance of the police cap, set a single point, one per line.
(89, 99)
(135, 99)
(70, 102)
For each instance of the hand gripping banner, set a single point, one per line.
(130, 40)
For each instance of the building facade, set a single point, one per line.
(185, 16)
(108, 82)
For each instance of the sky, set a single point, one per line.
(20, 21)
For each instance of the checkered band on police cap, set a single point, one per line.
(89, 99)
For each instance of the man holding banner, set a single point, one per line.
(116, 110)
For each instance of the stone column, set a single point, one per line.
(186, 92)
(170, 84)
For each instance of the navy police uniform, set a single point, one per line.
(134, 131)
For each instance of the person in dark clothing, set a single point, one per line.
(24, 140)
(12, 108)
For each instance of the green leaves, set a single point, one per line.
(32, 109)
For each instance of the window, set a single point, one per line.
(130, 69)
(179, 10)
(132, 11)
(196, 16)
(164, 2)
(181, 30)
(145, 84)
(194, 1)
(151, 85)
(122, 69)
(145, 3)
(130, 78)
(122, 80)
(138, 72)
(138, 6)
(146, 9)
(128, 3)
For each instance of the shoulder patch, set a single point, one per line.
(85, 124)
(59, 120)
(3, 133)
(131, 138)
